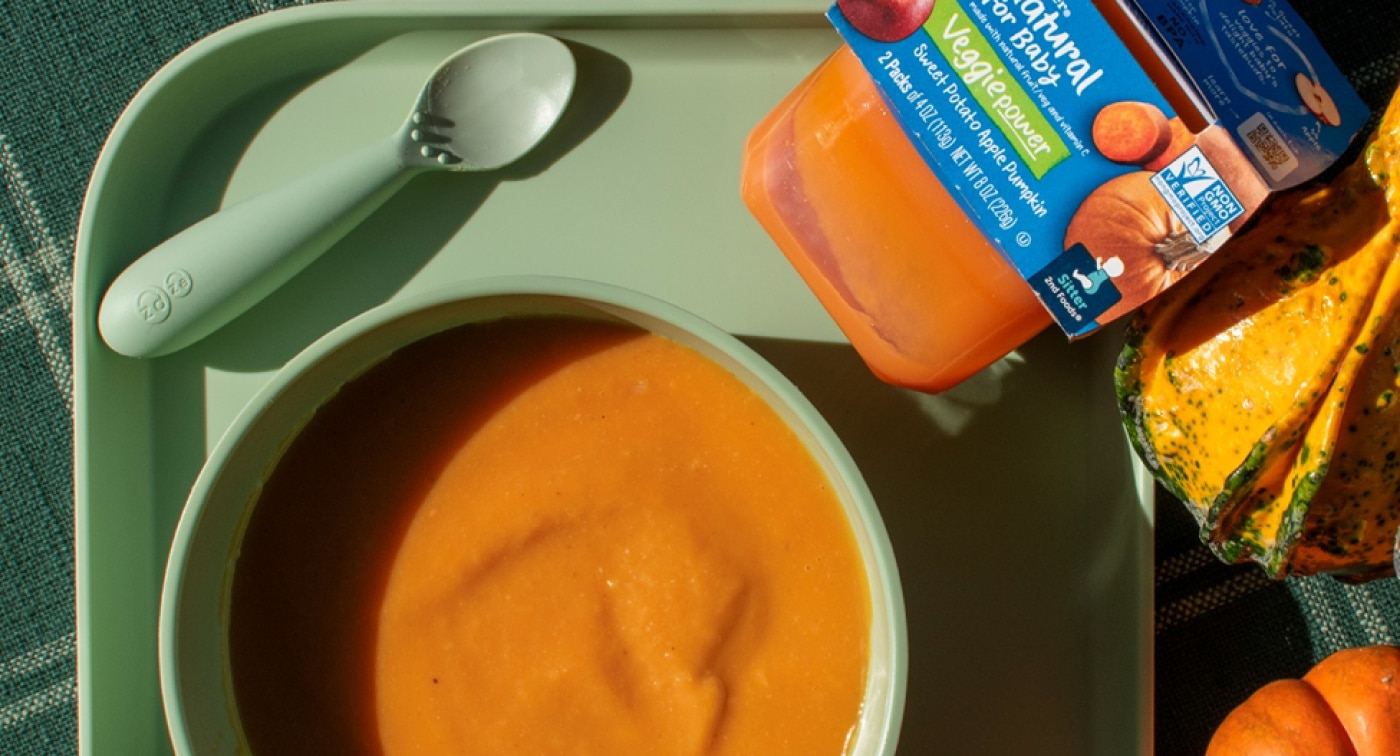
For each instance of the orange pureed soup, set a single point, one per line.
(548, 535)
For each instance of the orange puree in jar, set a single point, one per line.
(548, 535)
(923, 297)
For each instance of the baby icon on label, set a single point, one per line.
(1110, 268)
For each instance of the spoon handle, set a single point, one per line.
(208, 274)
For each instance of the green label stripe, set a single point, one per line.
(975, 62)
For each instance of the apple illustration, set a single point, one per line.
(1317, 100)
(886, 20)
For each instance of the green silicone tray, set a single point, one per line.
(1020, 520)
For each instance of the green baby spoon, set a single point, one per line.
(484, 107)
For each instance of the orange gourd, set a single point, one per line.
(1346, 705)
(1362, 685)
(1259, 392)
(1283, 718)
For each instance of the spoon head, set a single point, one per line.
(492, 101)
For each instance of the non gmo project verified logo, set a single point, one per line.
(1195, 191)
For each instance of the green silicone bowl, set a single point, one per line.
(195, 679)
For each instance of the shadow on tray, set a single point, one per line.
(1022, 546)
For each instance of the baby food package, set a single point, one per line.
(960, 174)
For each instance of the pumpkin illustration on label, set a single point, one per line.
(886, 20)
(1126, 218)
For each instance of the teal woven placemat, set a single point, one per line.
(67, 68)
(70, 66)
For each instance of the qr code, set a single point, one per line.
(1268, 146)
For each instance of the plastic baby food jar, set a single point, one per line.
(921, 294)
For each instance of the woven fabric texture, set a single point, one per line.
(67, 69)
(70, 66)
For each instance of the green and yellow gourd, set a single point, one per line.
(1262, 390)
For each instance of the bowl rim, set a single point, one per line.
(879, 561)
